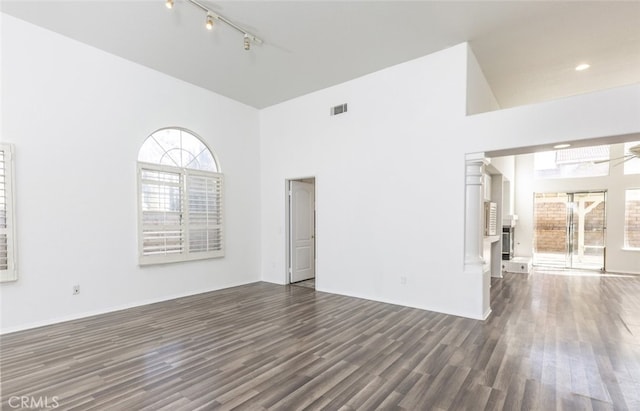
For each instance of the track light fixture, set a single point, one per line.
(248, 38)
(247, 42)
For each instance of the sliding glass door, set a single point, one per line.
(569, 230)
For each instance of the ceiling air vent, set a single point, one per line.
(339, 109)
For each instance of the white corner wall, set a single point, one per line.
(523, 233)
(77, 117)
(480, 97)
(389, 184)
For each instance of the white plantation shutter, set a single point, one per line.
(8, 271)
(204, 200)
(180, 214)
(161, 209)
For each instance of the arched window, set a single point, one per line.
(177, 148)
(179, 199)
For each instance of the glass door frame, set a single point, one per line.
(574, 253)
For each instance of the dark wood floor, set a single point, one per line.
(552, 342)
(306, 283)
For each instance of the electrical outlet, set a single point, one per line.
(76, 289)
(403, 280)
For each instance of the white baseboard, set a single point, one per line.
(107, 310)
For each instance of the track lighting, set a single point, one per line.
(247, 42)
(248, 38)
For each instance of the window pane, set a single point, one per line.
(161, 191)
(204, 161)
(191, 147)
(205, 212)
(161, 201)
(4, 252)
(8, 270)
(572, 162)
(151, 151)
(164, 176)
(632, 219)
(632, 166)
(170, 141)
(3, 194)
(177, 148)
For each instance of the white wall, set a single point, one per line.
(480, 97)
(523, 233)
(390, 175)
(507, 167)
(77, 117)
(380, 169)
(611, 112)
(617, 258)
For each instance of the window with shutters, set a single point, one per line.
(8, 266)
(180, 188)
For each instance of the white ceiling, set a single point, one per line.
(527, 49)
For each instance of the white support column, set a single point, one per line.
(473, 213)
(474, 231)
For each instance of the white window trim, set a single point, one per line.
(11, 273)
(185, 255)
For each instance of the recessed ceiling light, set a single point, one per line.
(559, 146)
(583, 66)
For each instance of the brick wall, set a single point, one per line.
(551, 228)
(632, 230)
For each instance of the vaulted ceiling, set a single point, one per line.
(527, 49)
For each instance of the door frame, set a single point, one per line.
(570, 228)
(287, 223)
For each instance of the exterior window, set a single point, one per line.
(632, 219)
(572, 162)
(631, 164)
(180, 203)
(8, 266)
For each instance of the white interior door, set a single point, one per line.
(302, 234)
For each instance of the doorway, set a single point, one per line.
(569, 230)
(301, 232)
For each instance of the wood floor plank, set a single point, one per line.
(552, 342)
